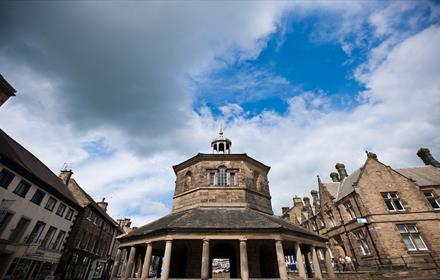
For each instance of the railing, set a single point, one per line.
(417, 260)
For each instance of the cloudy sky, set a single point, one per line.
(124, 90)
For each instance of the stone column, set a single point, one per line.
(205, 260)
(166, 260)
(281, 260)
(316, 267)
(116, 264)
(328, 264)
(300, 261)
(147, 262)
(243, 260)
(129, 268)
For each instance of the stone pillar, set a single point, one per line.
(129, 268)
(243, 260)
(116, 264)
(300, 262)
(281, 260)
(166, 260)
(205, 260)
(316, 267)
(147, 262)
(328, 264)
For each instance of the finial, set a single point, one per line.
(221, 129)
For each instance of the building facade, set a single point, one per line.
(222, 214)
(379, 216)
(91, 248)
(36, 214)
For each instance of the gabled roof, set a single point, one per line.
(219, 219)
(20, 160)
(204, 157)
(86, 200)
(332, 188)
(424, 176)
(347, 185)
(6, 87)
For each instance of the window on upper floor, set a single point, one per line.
(35, 233)
(69, 214)
(22, 188)
(432, 200)
(19, 230)
(61, 209)
(392, 201)
(50, 205)
(48, 238)
(363, 242)
(59, 240)
(331, 218)
(350, 210)
(5, 217)
(321, 223)
(38, 197)
(211, 178)
(232, 178)
(6, 178)
(222, 177)
(411, 237)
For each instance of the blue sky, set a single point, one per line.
(136, 87)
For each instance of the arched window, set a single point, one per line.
(222, 176)
(188, 181)
(221, 147)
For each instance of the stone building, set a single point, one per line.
(222, 213)
(91, 248)
(36, 214)
(6, 90)
(378, 215)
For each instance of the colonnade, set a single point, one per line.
(302, 261)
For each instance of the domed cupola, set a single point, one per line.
(221, 144)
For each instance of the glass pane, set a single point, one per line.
(385, 195)
(428, 194)
(393, 195)
(411, 228)
(390, 206)
(399, 205)
(402, 228)
(408, 242)
(434, 203)
(419, 242)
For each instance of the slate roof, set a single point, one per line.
(346, 186)
(332, 188)
(219, 219)
(20, 160)
(424, 176)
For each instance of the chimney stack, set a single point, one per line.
(341, 170)
(334, 176)
(371, 155)
(427, 158)
(307, 206)
(314, 194)
(65, 175)
(297, 201)
(102, 204)
(125, 224)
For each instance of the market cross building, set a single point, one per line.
(221, 210)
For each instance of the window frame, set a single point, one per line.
(350, 210)
(331, 218)
(390, 200)
(222, 180)
(432, 199)
(51, 198)
(362, 240)
(69, 217)
(22, 188)
(35, 234)
(58, 209)
(6, 217)
(411, 236)
(38, 200)
(59, 240)
(6, 178)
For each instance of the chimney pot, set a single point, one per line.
(340, 167)
(65, 175)
(334, 176)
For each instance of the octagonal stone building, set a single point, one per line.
(221, 210)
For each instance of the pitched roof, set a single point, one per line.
(87, 200)
(424, 176)
(217, 219)
(26, 164)
(347, 185)
(332, 188)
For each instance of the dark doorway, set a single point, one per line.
(268, 265)
(225, 250)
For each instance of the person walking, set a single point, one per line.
(348, 263)
(341, 265)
